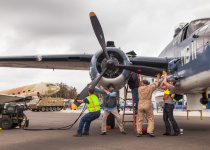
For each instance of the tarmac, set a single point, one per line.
(195, 135)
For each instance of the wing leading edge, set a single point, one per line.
(70, 62)
(148, 66)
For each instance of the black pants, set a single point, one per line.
(168, 116)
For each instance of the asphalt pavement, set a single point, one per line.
(195, 135)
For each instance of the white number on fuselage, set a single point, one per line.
(185, 54)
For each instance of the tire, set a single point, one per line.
(6, 123)
(58, 108)
(43, 109)
(54, 108)
(110, 120)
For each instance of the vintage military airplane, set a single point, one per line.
(185, 59)
(27, 92)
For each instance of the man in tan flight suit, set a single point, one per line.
(145, 106)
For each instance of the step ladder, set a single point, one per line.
(126, 91)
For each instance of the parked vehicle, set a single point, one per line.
(46, 104)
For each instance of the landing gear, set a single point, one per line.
(204, 101)
(110, 120)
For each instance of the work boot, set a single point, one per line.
(176, 133)
(139, 135)
(103, 133)
(123, 132)
(167, 134)
(151, 134)
(85, 133)
(77, 135)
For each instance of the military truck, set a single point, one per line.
(11, 115)
(46, 104)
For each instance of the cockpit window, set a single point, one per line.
(178, 28)
(194, 25)
(48, 85)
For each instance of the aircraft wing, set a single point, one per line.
(70, 62)
(4, 98)
(149, 66)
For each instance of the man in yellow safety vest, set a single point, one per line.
(169, 93)
(93, 106)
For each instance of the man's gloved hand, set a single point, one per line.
(77, 97)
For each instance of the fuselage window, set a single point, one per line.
(23, 91)
(13, 93)
(29, 90)
(50, 85)
(18, 92)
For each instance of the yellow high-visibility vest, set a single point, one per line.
(167, 93)
(93, 105)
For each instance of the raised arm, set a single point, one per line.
(154, 85)
(100, 91)
(162, 86)
(165, 80)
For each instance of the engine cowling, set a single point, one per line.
(116, 76)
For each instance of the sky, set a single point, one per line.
(32, 27)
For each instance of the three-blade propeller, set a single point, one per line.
(110, 64)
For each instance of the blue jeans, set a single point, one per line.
(87, 119)
(135, 98)
(168, 115)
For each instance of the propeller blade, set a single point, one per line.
(144, 70)
(98, 32)
(84, 92)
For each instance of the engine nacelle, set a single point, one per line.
(116, 76)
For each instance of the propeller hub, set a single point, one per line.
(112, 71)
(110, 64)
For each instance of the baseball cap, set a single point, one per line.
(145, 82)
(110, 86)
(172, 80)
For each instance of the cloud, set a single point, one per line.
(30, 27)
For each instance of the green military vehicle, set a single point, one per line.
(11, 115)
(46, 104)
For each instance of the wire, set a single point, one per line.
(61, 128)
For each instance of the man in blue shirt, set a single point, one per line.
(110, 106)
(133, 83)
